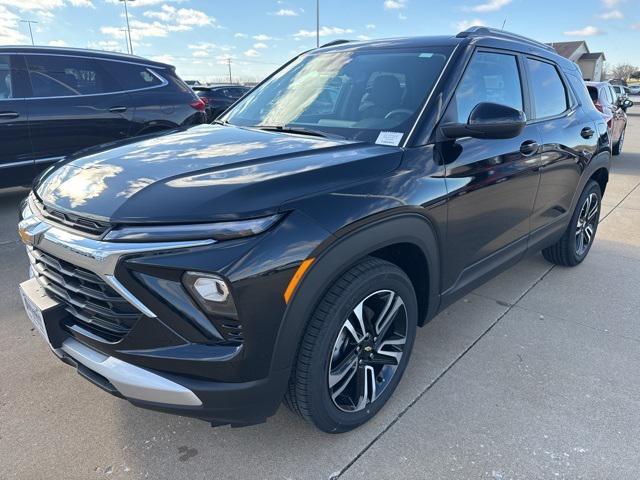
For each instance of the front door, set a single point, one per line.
(491, 184)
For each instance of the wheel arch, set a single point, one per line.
(393, 239)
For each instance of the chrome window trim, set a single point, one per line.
(94, 255)
(26, 162)
(149, 68)
(426, 103)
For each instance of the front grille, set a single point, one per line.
(92, 303)
(73, 221)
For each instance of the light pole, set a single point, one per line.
(29, 22)
(317, 23)
(126, 14)
(229, 63)
(126, 38)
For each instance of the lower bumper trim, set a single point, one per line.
(131, 382)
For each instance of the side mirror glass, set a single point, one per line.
(490, 121)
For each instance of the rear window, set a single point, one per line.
(549, 93)
(61, 75)
(593, 93)
(131, 76)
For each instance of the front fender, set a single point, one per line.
(336, 255)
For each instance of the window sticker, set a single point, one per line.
(389, 138)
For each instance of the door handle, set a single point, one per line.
(9, 114)
(118, 109)
(530, 147)
(587, 132)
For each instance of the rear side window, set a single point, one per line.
(60, 75)
(593, 93)
(6, 87)
(132, 77)
(490, 77)
(549, 92)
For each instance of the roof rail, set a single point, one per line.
(334, 42)
(481, 31)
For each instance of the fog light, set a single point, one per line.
(211, 292)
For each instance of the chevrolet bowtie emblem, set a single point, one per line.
(31, 230)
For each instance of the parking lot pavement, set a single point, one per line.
(535, 375)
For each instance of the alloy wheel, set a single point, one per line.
(367, 351)
(587, 221)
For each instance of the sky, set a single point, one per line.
(199, 36)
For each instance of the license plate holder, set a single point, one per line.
(44, 312)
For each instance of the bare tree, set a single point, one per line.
(622, 71)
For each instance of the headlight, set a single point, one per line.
(198, 231)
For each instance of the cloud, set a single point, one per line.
(370, 26)
(611, 3)
(260, 45)
(463, 25)
(588, 31)
(57, 43)
(182, 16)
(363, 37)
(252, 53)
(612, 15)
(395, 4)
(402, 16)
(240, 35)
(201, 46)
(636, 26)
(44, 6)
(324, 32)
(489, 6)
(9, 33)
(82, 3)
(286, 12)
(200, 53)
(110, 45)
(262, 37)
(146, 3)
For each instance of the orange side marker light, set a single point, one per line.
(295, 280)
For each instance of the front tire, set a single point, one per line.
(355, 348)
(575, 244)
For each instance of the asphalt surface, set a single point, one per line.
(534, 375)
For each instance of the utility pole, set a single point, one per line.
(229, 64)
(126, 38)
(126, 14)
(317, 23)
(29, 22)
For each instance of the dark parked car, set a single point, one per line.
(220, 97)
(287, 253)
(613, 110)
(56, 101)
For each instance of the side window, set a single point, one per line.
(490, 77)
(6, 87)
(60, 75)
(130, 76)
(549, 93)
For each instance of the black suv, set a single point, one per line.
(219, 98)
(290, 250)
(56, 101)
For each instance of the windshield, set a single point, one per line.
(370, 96)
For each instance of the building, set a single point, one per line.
(591, 64)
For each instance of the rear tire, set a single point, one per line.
(617, 148)
(575, 244)
(355, 347)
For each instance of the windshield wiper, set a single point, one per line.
(297, 130)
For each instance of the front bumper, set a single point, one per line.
(242, 403)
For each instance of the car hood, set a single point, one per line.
(209, 172)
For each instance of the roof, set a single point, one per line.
(566, 49)
(123, 57)
(593, 56)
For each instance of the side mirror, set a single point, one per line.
(489, 121)
(627, 103)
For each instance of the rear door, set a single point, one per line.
(16, 153)
(74, 104)
(568, 142)
(619, 115)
